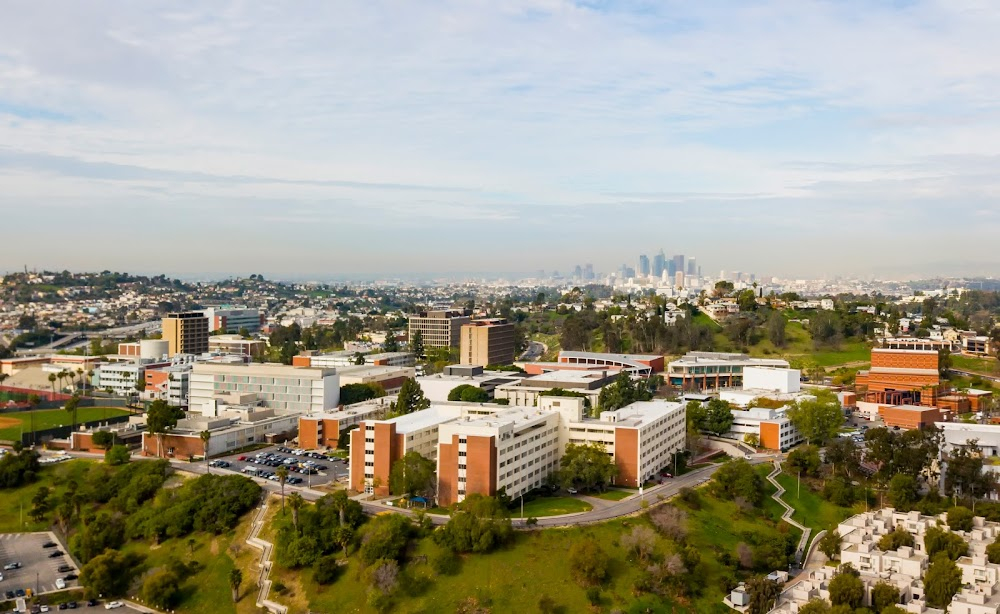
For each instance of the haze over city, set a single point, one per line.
(800, 139)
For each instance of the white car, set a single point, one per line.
(113, 605)
(60, 583)
(43, 608)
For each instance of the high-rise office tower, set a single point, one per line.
(679, 263)
(577, 272)
(679, 279)
(671, 268)
(588, 271)
(692, 267)
(644, 265)
(659, 264)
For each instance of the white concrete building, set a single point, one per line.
(525, 392)
(436, 387)
(119, 377)
(279, 387)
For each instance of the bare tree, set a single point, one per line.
(640, 541)
(670, 521)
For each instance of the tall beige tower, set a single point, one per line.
(487, 342)
(186, 333)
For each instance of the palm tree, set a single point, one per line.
(295, 502)
(71, 406)
(79, 375)
(205, 436)
(52, 382)
(235, 579)
(282, 474)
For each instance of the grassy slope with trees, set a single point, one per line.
(679, 556)
(189, 528)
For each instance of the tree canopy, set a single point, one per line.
(478, 524)
(739, 479)
(357, 393)
(410, 399)
(412, 475)
(817, 420)
(586, 466)
(469, 394)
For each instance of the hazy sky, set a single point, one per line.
(792, 138)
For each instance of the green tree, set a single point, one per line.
(282, 473)
(903, 491)
(937, 540)
(846, 588)
(844, 456)
(161, 418)
(830, 544)
(295, 503)
(469, 394)
(763, 593)
(588, 562)
(205, 437)
(478, 524)
(964, 471)
(895, 539)
(411, 398)
(776, 329)
(993, 551)
(739, 479)
(103, 439)
(586, 466)
(622, 392)
(385, 538)
(391, 343)
(805, 459)
(817, 420)
(52, 382)
(942, 581)
(162, 589)
(815, 605)
(883, 596)
(235, 580)
(359, 358)
(40, 504)
(417, 344)
(412, 475)
(109, 574)
(718, 417)
(358, 393)
(960, 518)
(117, 455)
(71, 407)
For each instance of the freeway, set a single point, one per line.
(79, 339)
(992, 378)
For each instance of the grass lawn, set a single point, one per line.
(208, 589)
(972, 363)
(616, 495)
(14, 501)
(12, 424)
(509, 580)
(551, 506)
(810, 508)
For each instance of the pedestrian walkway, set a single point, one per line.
(787, 516)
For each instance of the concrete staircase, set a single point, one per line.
(787, 516)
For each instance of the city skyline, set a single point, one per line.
(366, 139)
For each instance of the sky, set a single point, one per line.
(791, 138)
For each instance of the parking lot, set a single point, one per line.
(39, 566)
(327, 469)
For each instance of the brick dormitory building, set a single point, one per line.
(482, 448)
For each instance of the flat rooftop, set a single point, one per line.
(608, 356)
(563, 377)
(892, 351)
(426, 418)
(642, 412)
(363, 370)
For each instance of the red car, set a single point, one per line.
(242, 458)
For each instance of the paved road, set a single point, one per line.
(534, 352)
(976, 374)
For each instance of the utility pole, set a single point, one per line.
(798, 491)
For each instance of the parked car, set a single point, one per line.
(9, 594)
(71, 605)
(91, 603)
(64, 568)
(572, 491)
(112, 605)
(60, 583)
(55, 554)
(70, 576)
(49, 544)
(9, 566)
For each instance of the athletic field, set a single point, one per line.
(12, 424)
